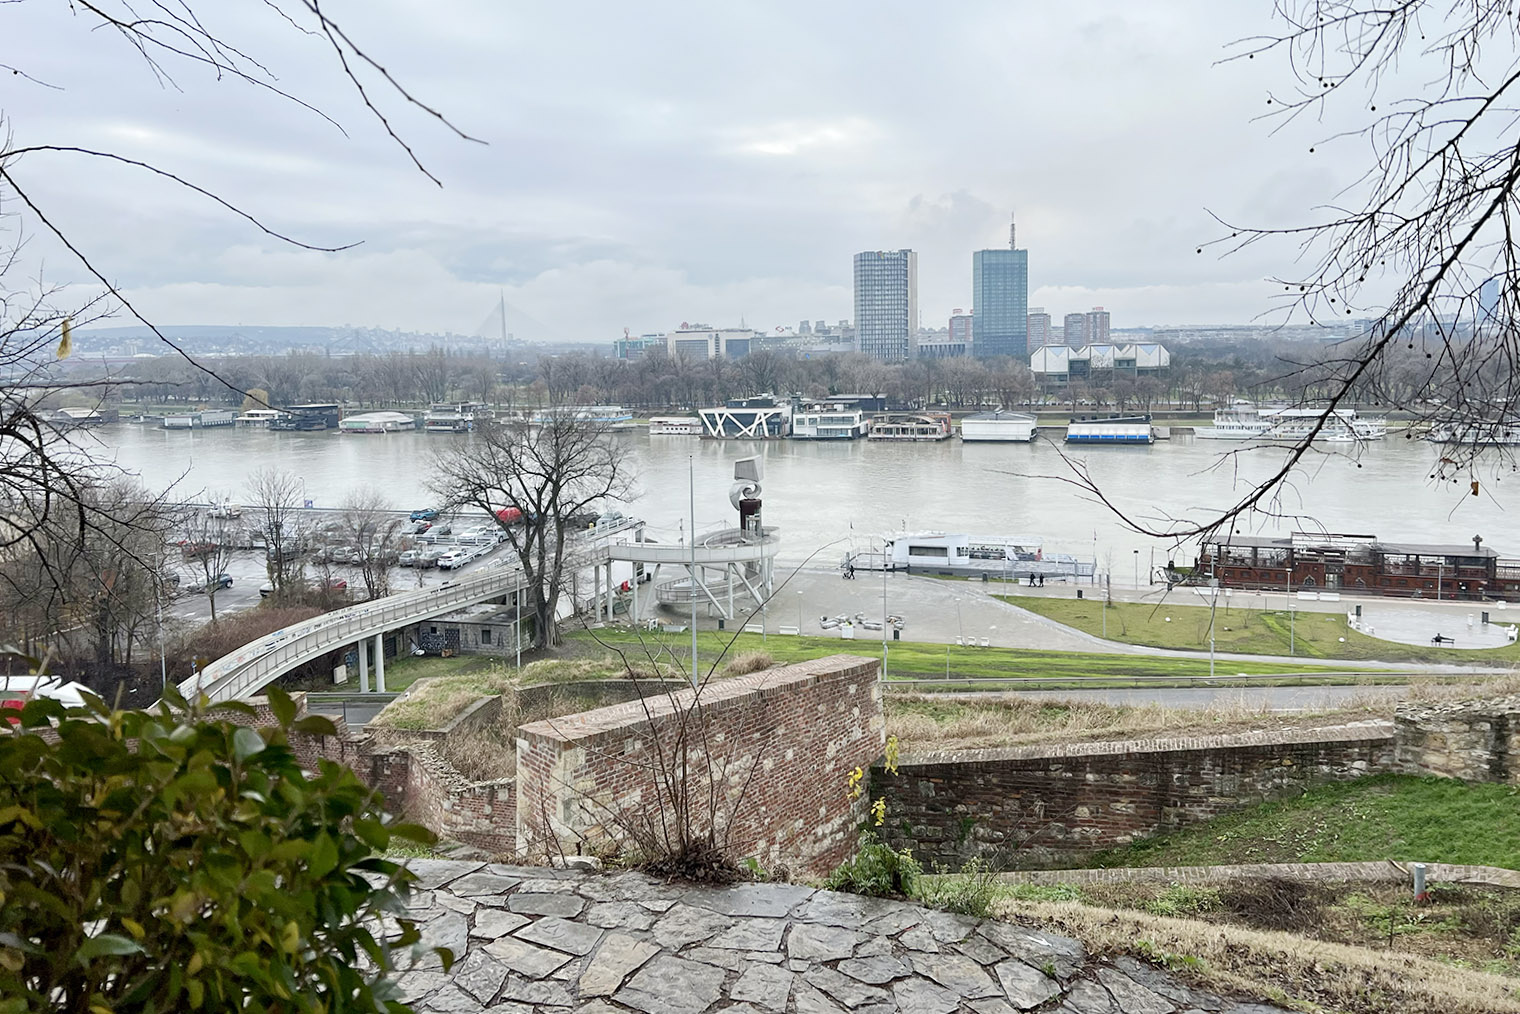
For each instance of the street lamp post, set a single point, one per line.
(1137, 569)
(960, 628)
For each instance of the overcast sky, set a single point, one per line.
(652, 163)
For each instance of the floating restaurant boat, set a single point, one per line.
(996, 557)
(911, 426)
(205, 419)
(453, 416)
(675, 426)
(759, 418)
(378, 422)
(828, 422)
(1008, 427)
(311, 416)
(1114, 429)
(258, 418)
(612, 417)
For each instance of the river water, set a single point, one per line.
(824, 496)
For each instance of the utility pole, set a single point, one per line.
(691, 480)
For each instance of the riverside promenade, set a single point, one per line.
(531, 940)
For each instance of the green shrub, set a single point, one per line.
(878, 870)
(1184, 900)
(969, 892)
(151, 861)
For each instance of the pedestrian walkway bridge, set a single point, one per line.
(743, 558)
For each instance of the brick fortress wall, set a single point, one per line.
(782, 743)
(1034, 804)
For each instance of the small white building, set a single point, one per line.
(675, 426)
(1015, 427)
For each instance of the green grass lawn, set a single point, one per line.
(402, 672)
(1400, 817)
(1247, 631)
(925, 660)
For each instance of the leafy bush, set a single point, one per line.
(164, 861)
(878, 870)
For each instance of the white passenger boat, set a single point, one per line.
(997, 557)
(1245, 421)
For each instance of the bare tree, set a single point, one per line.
(535, 480)
(275, 495)
(1422, 244)
(374, 530)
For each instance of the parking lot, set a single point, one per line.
(248, 569)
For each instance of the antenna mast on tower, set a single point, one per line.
(1013, 231)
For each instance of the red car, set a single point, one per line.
(509, 515)
(335, 584)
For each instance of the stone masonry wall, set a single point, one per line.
(781, 744)
(1027, 806)
(416, 781)
(1477, 741)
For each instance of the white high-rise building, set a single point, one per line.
(886, 304)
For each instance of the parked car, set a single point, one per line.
(266, 589)
(454, 558)
(418, 527)
(334, 584)
(424, 514)
(226, 510)
(216, 584)
(509, 515)
(429, 557)
(409, 558)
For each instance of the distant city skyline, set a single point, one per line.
(627, 195)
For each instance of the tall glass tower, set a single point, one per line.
(886, 304)
(1000, 301)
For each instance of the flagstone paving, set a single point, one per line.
(547, 941)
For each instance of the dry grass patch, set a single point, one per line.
(750, 661)
(1285, 969)
(433, 703)
(925, 723)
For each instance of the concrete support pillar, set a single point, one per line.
(611, 592)
(730, 570)
(363, 667)
(633, 607)
(379, 663)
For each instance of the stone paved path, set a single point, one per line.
(546, 941)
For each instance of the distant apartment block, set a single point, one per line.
(1074, 330)
(1039, 328)
(1056, 366)
(960, 326)
(886, 304)
(1097, 326)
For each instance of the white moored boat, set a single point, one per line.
(998, 557)
(1245, 421)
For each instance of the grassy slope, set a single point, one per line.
(1247, 631)
(923, 660)
(1398, 817)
